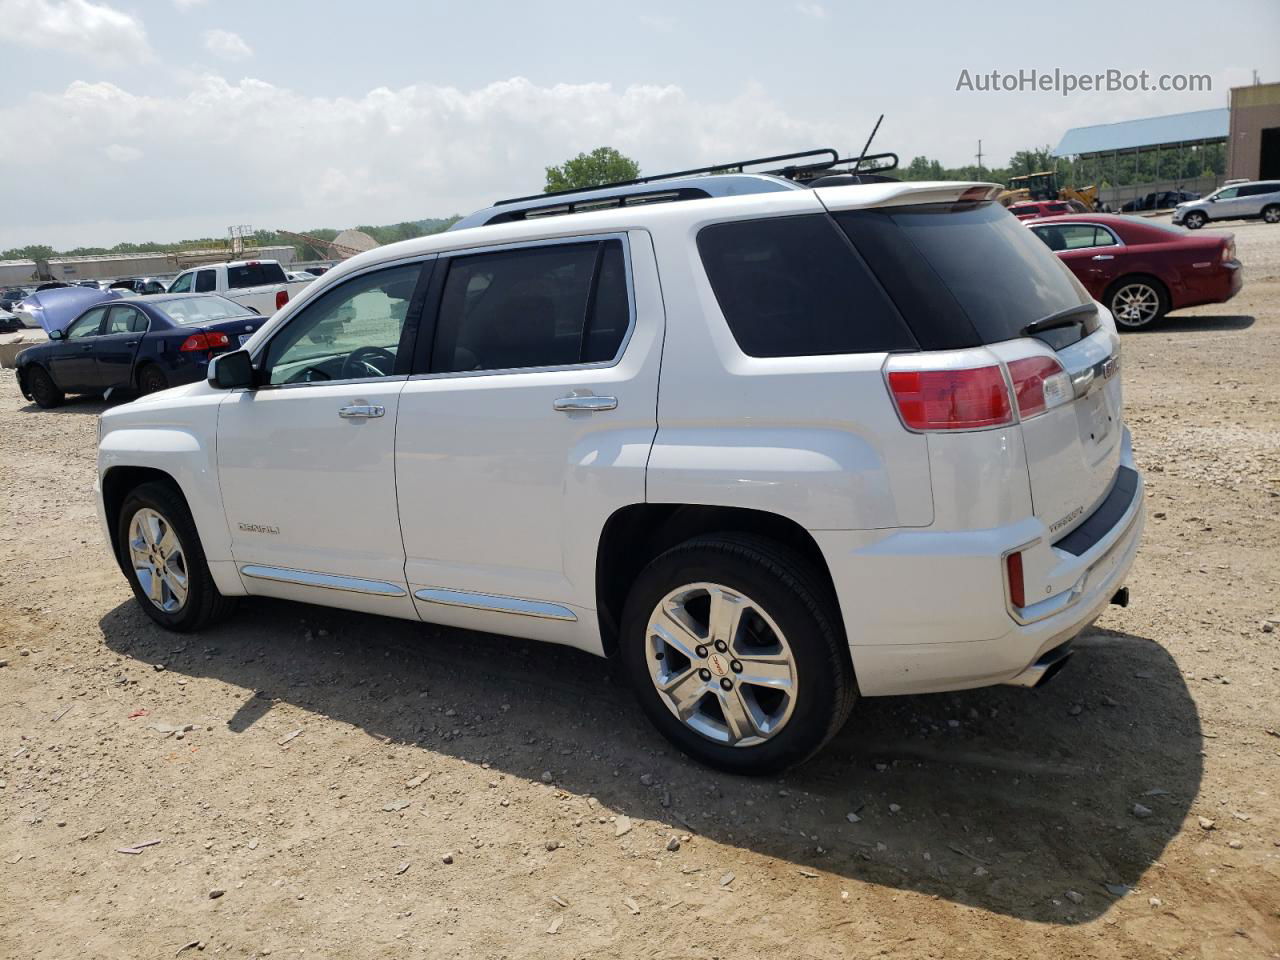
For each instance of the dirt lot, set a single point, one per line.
(335, 761)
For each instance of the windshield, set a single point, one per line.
(963, 274)
(255, 274)
(194, 311)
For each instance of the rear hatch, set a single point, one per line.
(967, 274)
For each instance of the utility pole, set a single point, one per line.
(979, 158)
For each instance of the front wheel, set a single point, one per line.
(1195, 220)
(734, 649)
(1137, 302)
(42, 388)
(1271, 214)
(161, 555)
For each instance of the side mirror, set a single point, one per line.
(227, 371)
(57, 335)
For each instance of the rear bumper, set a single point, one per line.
(927, 611)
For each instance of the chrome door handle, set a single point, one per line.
(587, 403)
(362, 411)
(1104, 256)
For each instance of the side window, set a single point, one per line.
(352, 332)
(206, 281)
(182, 284)
(1228, 194)
(87, 326)
(543, 306)
(793, 286)
(1103, 238)
(1077, 236)
(126, 320)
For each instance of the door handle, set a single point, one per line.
(589, 403)
(362, 411)
(1104, 256)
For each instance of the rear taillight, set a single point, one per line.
(1039, 384)
(205, 341)
(1017, 589)
(951, 399)
(1228, 251)
(282, 297)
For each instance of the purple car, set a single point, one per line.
(135, 344)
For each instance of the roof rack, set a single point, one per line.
(722, 179)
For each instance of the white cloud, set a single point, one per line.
(227, 45)
(122, 154)
(272, 157)
(809, 9)
(76, 27)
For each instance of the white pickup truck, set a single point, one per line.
(259, 284)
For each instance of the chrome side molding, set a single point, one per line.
(496, 604)
(329, 581)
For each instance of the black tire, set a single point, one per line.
(204, 605)
(1129, 286)
(1194, 220)
(42, 388)
(1271, 213)
(786, 586)
(151, 379)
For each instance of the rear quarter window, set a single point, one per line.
(793, 286)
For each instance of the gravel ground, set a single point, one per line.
(306, 781)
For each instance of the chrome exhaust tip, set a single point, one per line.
(1043, 669)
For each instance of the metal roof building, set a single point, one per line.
(1151, 133)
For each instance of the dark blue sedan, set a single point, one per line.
(139, 344)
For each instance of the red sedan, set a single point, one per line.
(1139, 269)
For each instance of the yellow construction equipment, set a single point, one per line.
(1044, 186)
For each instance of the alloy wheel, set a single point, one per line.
(159, 562)
(1271, 214)
(1135, 304)
(721, 665)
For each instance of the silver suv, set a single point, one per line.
(1235, 201)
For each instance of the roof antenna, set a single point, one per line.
(867, 145)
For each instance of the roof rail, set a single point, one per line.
(722, 179)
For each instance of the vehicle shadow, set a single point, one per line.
(77, 404)
(1202, 324)
(1003, 799)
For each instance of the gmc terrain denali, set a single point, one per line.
(773, 444)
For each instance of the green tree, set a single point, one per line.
(601, 165)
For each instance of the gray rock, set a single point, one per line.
(1141, 812)
(447, 858)
(622, 826)
(1207, 824)
(1074, 896)
(546, 776)
(553, 844)
(646, 779)
(216, 892)
(673, 844)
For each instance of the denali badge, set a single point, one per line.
(259, 528)
(1109, 367)
(1065, 520)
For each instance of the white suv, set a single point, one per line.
(773, 446)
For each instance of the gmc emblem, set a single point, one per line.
(1109, 367)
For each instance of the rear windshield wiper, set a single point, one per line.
(1069, 317)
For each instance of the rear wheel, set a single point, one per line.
(1194, 220)
(152, 380)
(164, 561)
(1137, 302)
(42, 388)
(1271, 213)
(733, 648)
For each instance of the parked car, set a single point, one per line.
(259, 284)
(56, 306)
(9, 323)
(1140, 269)
(1162, 200)
(1236, 201)
(143, 344)
(300, 276)
(1033, 209)
(142, 286)
(10, 297)
(774, 449)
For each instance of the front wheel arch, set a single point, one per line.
(118, 483)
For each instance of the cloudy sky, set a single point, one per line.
(165, 119)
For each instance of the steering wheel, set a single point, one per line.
(359, 363)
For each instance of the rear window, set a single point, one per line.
(793, 286)
(195, 311)
(963, 274)
(255, 275)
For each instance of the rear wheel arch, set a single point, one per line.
(636, 534)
